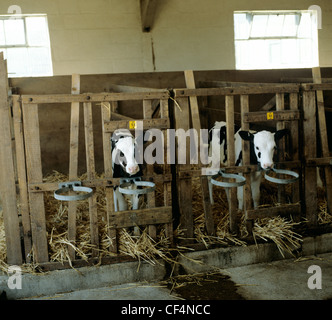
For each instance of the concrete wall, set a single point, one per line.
(104, 36)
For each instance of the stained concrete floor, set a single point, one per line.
(279, 280)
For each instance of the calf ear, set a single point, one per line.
(222, 134)
(246, 135)
(280, 133)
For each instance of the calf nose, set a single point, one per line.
(133, 169)
(267, 165)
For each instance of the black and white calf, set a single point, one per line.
(262, 148)
(124, 165)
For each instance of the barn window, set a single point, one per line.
(25, 41)
(275, 40)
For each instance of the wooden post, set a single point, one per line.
(167, 186)
(7, 174)
(294, 149)
(244, 100)
(229, 107)
(22, 177)
(280, 106)
(323, 136)
(90, 162)
(34, 172)
(151, 201)
(184, 187)
(73, 162)
(310, 173)
(190, 82)
(106, 114)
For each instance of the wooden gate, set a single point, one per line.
(30, 173)
(299, 118)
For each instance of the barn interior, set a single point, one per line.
(271, 52)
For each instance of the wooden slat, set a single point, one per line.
(279, 115)
(111, 126)
(282, 210)
(132, 218)
(294, 149)
(244, 100)
(319, 161)
(93, 97)
(73, 162)
(107, 182)
(232, 201)
(310, 174)
(22, 177)
(151, 200)
(317, 86)
(323, 136)
(7, 174)
(167, 186)
(34, 172)
(90, 161)
(106, 113)
(184, 186)
(280, 106)
(287, 88)
(195, 117)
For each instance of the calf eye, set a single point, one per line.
(257, 148)
(121, 154)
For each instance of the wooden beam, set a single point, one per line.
(282, 210)
(7, 174)
(149, 216)
(111, 126)
(281, 88)
(279, 115)
(94, 97)
(148, 9)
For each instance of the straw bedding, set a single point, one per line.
(142, 247)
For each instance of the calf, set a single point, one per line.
(262, 148)
(124, 165)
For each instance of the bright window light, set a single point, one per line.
(25, 41)
(275, 40)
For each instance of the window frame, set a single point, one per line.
(26, 45)
(280, 37)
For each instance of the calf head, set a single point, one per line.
(123, 153)
(264, 145)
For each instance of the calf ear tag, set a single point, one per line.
(132, 124)
(269, 115)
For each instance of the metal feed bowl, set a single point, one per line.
(240, 180)
(295, 176)
(75, 186)
(150, 187)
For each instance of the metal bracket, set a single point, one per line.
(72, 186)
(295, 176)
(240, 180)
(127, 182)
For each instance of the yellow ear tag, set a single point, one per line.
(269, 115)
(132, 124)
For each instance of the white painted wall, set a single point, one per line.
(104, 36)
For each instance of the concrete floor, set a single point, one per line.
(280, 280)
